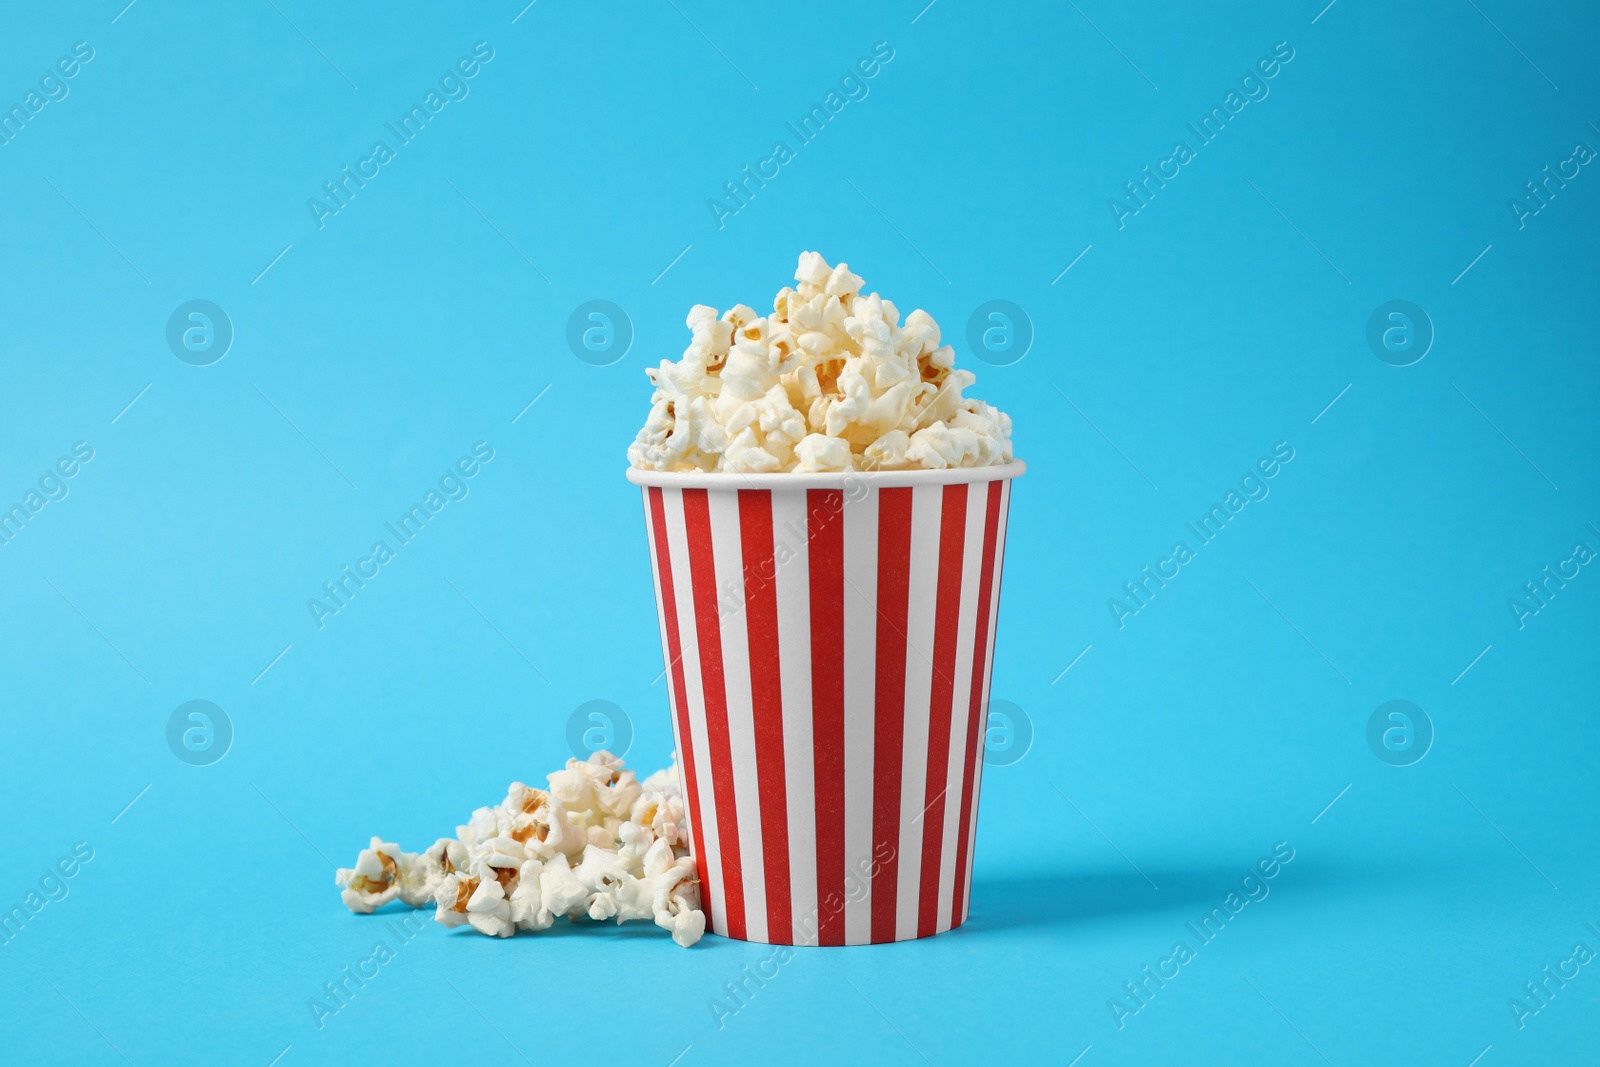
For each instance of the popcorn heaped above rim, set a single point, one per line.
(831, 380)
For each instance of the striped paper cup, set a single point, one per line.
(828, 641)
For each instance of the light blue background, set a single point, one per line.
(424, 317)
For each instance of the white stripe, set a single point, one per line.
(705, 834)
(960, 719)
(921, 605)
(860, 654)
(791, 535)
(726, 550)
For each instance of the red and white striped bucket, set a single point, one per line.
(828, 640)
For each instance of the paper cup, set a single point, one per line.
(828, 641)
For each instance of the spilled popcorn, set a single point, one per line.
(598, 844)
(830, 381)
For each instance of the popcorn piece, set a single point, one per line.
(561, 891)
(485, 823)
(830, 381)
(443, 858)
(817, 452)
(662, 811)
(480, 898)
(675, 896)
(500, 853)
(527, 902)
(452, 896)
(376, 878)
(594, 790)
(603, 876)
(489, 907)
(539, 822)
(683, 918)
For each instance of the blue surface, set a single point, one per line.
(1229, 714)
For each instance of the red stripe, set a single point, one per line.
(708, 633)
(977, 706)
(994, 613)
(888, 740)
(766, 704)
(825, 531)
(680, 694)
(947, 620)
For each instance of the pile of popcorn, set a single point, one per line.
(598, 844)
(830, 381)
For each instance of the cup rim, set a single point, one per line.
(825, 479)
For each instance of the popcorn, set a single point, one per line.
(817, 452)
(562, 892)
(660, 809)
(479, 898)
(598, 844)
(442, 859)
(527, 902)
(537, 823)
(452, 897)
(489, 907)
(596, 792)
(607, 882)
(675, 896)
(376, 878)
(830, 381)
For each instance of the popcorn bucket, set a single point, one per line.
(828, 641)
